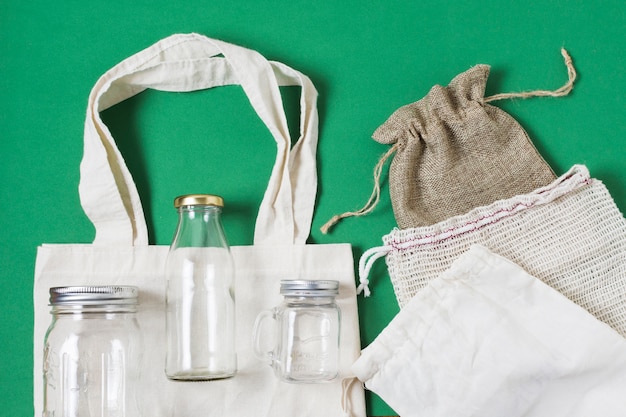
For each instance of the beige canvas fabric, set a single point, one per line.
(455, 153)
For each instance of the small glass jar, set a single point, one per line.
(91, 351)
(302, 343)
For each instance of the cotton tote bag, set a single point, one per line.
(569, 234)
(120, 253)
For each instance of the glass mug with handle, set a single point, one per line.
(299, 338)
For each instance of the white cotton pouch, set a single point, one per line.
(487, 339)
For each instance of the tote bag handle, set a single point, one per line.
(188, 62)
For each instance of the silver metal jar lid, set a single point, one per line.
(94, 295)
(309, 288)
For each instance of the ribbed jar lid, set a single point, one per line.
(309, 288)
(94, 295)
(198, 200)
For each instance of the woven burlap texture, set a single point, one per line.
(570, 234)
(455, 153)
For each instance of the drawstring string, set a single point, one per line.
(366, 263)
(374, 198)
(346, 386)
(563, 91)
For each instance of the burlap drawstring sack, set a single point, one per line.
(569, 234)
(455, 152)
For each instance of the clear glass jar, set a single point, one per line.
(91, 352)
(200, 294)
(302, 342)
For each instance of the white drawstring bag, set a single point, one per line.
(121, 255)
(486, 339)
(569, 234)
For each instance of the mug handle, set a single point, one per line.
(264, 356)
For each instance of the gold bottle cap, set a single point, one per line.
(198, 200)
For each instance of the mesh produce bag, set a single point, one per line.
(569, 234)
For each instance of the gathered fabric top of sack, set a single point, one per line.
(454, 152)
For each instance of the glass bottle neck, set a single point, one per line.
(199, 226)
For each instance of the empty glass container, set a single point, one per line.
(91, 351)
(300, 337)
(200, 294)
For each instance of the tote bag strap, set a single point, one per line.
(193, 62)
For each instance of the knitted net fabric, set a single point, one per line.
(570, 234)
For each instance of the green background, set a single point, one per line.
(366, 59)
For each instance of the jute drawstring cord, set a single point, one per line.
(560, 92)
(375, 196)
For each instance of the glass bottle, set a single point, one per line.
(303, 337)
(91, 352)
(200, 294)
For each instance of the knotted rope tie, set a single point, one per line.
(366, 263)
